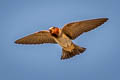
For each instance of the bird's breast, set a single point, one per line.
(64, 41)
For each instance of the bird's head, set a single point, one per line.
(54, 31)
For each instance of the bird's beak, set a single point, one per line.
(50, 30)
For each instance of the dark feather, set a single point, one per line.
(37, 38)
(74, 29)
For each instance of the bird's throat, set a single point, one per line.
(55, 35)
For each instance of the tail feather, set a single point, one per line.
(76, 51)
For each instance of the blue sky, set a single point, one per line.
(19, 18)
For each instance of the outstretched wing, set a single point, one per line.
(74, 29)
(37, 38)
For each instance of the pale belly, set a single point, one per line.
(65, 42)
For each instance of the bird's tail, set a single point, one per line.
(76, 51)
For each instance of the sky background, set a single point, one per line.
(18, 18)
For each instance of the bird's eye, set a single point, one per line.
(50, 31)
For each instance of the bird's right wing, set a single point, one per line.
(37, 38)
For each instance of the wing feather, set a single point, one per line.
(37, 38)
(74, 29)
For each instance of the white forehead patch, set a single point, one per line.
(51, 27)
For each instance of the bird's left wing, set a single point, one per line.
(74, 29)
(37, 38)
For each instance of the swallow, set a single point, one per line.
(64, 36)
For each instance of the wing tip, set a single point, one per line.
(106, 19)
(102, 20)
(17, 42)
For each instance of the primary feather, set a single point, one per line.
(37, 38)
(74, 29)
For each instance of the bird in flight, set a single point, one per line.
(63, 36)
